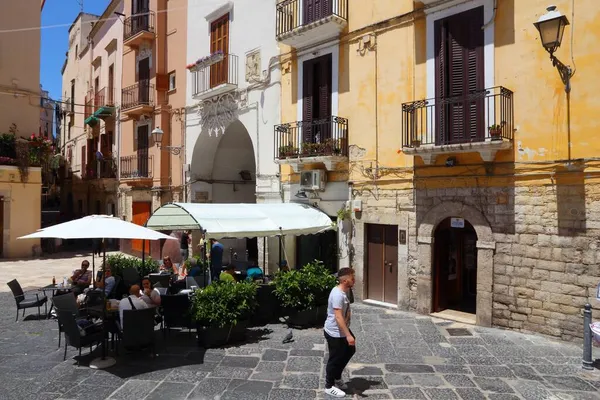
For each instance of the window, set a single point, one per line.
(316, 102)
(73, 95)
(69, 132)
(172, 81)
(76, 51)
(219, 41)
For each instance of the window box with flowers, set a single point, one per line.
(24, 153)
(206, 61)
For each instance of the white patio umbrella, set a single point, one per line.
(98, 227)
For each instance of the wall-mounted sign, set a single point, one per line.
(201, 197)
(457, 222)
(402, 236)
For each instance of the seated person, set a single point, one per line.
(253, 272)
(132, 302)
(82, 277)
(168, 266)
(283, 266)
(228, 274)
(195, 269)
(150, 295)
(108, 282)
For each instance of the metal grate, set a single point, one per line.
(458, 332)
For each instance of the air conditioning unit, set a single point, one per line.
(313, 180)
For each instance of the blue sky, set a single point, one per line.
(55, 41)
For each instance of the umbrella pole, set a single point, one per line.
(103, 362)
(93, 270)
(264, 254)
(143, 253)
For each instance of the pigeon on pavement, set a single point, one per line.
(289, 337)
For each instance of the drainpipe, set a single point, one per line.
(493, 16)
(184, 187)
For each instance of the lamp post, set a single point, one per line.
(551, 27)
(157, 133)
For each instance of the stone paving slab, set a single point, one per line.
(400, 356)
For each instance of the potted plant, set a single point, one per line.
(222, 311)
(495, 131)
(303, 294)
(287, 151)
(415, 142)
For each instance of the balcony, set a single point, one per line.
(137, 168)
(303, 23)
(103, 169)
(138, 99)
(216, 79)
(308, 142)
(482, 122)
(138, 29)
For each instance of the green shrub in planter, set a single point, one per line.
(118, 262)
(304, 288)
(224, 304)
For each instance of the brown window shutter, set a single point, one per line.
(219, 40)
(162, 82)
(307, 100)
(325, 98)
(83, 161)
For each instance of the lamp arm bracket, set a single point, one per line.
(565, 72)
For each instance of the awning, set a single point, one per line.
(241, 220)
(91, 120)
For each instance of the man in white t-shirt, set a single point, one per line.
(340, 339)
(132, 302)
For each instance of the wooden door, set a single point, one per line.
(140, 214)
(375, 260)
(144, 81)
(219, 40)
(390, 268)
(459, 78)
(142, 150)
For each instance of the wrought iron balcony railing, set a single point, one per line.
(317, 138)
(293, 14)
(139, 94)
(102, 169)
(137, 166)
(478, 116)
(142, 22)
(224, 72)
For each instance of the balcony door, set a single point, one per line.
(459, 78)
(219, 41)
(140, 10)
(315, 10)
(111, 84)
(316, 102)
(142, 150)
(144, 81)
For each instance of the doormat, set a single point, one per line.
(458, 332)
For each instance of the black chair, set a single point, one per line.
(72, 335)
(24, 302)
(131, 277)
(138, 329)
(163, 279)
(176, 312)
(66, 302)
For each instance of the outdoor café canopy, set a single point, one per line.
(241, 220)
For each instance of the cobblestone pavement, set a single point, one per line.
(400, 356)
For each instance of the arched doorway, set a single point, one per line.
(224, 171)
(454, 272)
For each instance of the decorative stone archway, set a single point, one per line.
(485, 256)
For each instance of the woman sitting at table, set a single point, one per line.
(150, 295)
(168, 266)
(228, 274)
(253, 272)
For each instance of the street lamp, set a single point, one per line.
(551, 27)
(157, 133)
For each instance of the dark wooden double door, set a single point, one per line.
(382, 263)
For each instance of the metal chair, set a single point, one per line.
(131, 277)
(66, 302)
(23, 302)
(138, 329)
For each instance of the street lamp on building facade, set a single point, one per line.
(157, 133)
(551, 27)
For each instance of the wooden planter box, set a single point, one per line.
(308, 318)
(211, 337)
(268, 309)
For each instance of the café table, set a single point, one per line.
(54, 289)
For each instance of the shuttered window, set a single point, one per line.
(316, 106)
(315, 10)
(219, 40)
(459, 78)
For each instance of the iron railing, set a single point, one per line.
(481, 115)
(292, 14)
(89, 105)
(139, 94)
(219, 73)
(101, 169)
(323, 137)
(104, 97)
(142, 22)
(136, 166)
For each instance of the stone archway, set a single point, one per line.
(485, 256)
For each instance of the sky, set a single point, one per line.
(55, 40)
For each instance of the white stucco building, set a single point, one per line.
(233, 103)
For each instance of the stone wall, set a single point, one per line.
(544, 240)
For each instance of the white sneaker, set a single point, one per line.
(335, 392)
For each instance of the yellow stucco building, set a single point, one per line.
(469, 171)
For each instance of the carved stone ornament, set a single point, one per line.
(218, 112)
(253, 66)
